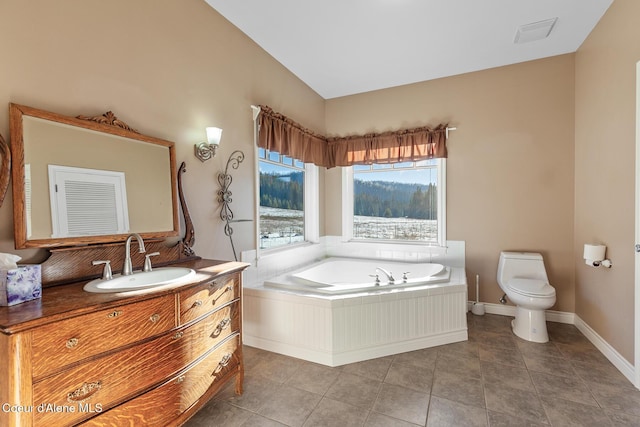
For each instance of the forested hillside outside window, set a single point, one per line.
(401, 201)
(281, 208)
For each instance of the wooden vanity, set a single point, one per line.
(146, 357)
(153, 359)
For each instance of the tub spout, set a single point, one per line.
(389, 274)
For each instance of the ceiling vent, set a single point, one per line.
(535, 31)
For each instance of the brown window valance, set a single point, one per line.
(281, 134)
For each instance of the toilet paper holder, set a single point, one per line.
(594, 255)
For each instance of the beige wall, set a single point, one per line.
(168, 69)
(605, 172)
(510, 167)
(172, 68)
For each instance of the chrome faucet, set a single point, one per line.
(389, 274)
(127, 268)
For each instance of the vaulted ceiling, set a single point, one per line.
(345, 47)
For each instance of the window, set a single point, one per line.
(288, 200)
(399, 202)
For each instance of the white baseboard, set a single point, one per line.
(622, 364)
(337, 359)
(510, 310)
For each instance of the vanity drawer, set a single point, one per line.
(111, 378)
(178, 394)
(217, 326)
(71, 340)
(202, 299)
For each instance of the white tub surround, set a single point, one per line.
(338, 329)
(268, 264)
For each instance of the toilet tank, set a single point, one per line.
(520, 264)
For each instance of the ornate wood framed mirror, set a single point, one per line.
(88, 180)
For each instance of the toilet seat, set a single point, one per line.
(531, 287)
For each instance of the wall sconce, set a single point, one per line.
(206, 150)
(594, 256)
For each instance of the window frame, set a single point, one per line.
(311, 198)
(348, 208)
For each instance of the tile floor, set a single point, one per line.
(494, 379)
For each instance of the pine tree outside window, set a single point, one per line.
(281, 210)
(402, 202)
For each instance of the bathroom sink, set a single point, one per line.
(159, 277)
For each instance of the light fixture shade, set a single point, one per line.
(213, 135)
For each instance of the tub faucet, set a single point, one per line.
(127, 268)
(386, 273)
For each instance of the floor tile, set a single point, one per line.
(376, 369)
(464, 348)
(505, 356)
(499, 340)
(290, 405)
(354, 390)
(622, 419)
(566, 413)
(567, 388)
(257, 391)
(459, 388)
(511, 401)
(582, 353)
(402, 403)
(497, 419)
(331, 413)
(443, 412)
(314, 378)
(616, 399)
(465, 366)
(277, 368)
(378, 420)
(425, 358)
(601, 373)
(528, 348)
(494, 379)
(260, 421)
(413, 377)
(508, 376)
(220, 413)
(549, 365)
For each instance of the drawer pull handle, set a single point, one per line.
(71, 342)
(223, 362)
(180, 379)
(115, 314)
(226, 289)
(84, 392)
(197, 303)
(178, 335)
(154, 318)
(224, 324)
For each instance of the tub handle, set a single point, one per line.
(377, 278)
(404, 275)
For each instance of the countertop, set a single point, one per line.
(65, 301)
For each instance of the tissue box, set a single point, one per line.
(20, 284)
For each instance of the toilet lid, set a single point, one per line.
(531, 287)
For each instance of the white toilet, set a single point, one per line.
(523, 278)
